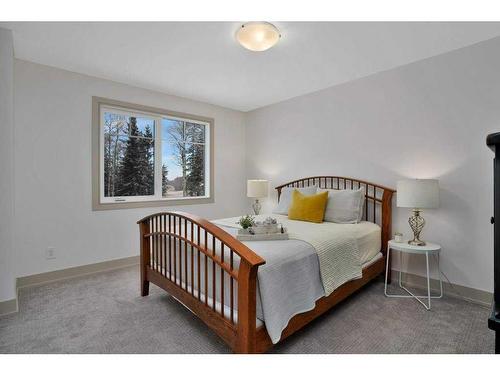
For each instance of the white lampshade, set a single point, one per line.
(258, 36)
(418, 193)
(257, 188)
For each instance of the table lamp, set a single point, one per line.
(417, 194)
(257, 189)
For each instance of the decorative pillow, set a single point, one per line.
(286, 198)
(308, 207)
(344, 206)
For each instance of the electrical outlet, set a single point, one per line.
(50, 253)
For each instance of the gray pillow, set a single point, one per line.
(344, 206)
(286, 198)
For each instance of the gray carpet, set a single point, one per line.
(103, 313)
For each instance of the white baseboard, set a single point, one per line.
(11, 306)
(69, 273)
(8, 307)
(477, 296)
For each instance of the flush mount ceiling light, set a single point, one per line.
(258, 36)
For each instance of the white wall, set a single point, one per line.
(7, 285)
(428, 119)
(53, 169)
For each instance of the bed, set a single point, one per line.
(255, 294)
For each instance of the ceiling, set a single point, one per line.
(202, 61)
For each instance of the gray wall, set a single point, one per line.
(428, 119)
(7, 286)
(53, 169)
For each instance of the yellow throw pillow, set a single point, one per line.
(308, 207)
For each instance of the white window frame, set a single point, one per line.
(100, 202)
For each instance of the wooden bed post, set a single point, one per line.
(144, 229)
(279, 192)
(386, 225)
(247, 309)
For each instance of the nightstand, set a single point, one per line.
(427, 250)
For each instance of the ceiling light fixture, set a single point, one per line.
(258, 36)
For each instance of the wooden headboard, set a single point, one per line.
(378, 199)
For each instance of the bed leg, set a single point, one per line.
(386, 226)
(144, 288)
(247, 309)
(144, 229)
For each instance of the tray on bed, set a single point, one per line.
(262, 237)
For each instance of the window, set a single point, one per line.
(146, 156)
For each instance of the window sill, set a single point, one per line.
(98, 206)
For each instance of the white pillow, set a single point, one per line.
(286, 198)
(344, 206)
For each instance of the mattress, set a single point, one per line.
(368, 236)
(369, 240)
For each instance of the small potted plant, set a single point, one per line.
(246, 222)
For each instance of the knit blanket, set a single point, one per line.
(335, 244)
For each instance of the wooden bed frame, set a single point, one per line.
(176, 246)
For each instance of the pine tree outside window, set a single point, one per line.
(148, 156)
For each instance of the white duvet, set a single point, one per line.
(316, 260)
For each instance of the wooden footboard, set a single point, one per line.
(206, 269)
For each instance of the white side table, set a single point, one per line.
(404, 247)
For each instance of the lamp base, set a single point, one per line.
(417, 223)
(256, 207)
(416, 243)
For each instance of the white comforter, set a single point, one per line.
(315, 261)
(335, 245)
